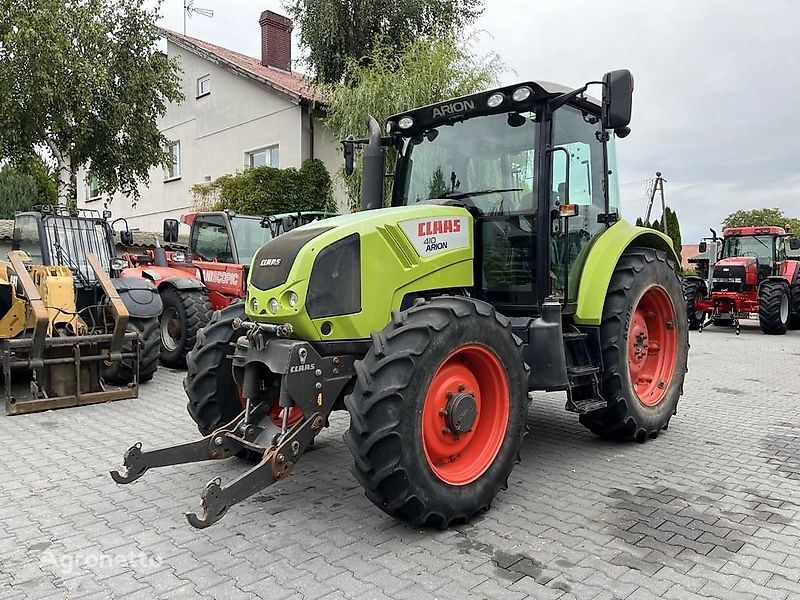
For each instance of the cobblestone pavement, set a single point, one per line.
(709, 509)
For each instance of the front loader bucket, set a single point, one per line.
(66, 374)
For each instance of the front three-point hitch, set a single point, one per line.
(308, 381)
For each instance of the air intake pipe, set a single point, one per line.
(373, 168)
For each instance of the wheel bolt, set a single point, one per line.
(443, 412)
(446, 430)
(461, 387)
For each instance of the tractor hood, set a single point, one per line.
(737, 261)
(341, 278)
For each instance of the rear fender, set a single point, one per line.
(140, 297)
(602, 260)
(790, 269)
(182, 282)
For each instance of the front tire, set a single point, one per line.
(213, 394)
(438, 411)
(122, 373)
(774, 307)
(693, 289)
(185, 313)
(645, 347)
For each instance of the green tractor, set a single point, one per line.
(501, 268)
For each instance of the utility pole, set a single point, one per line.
(658, 186)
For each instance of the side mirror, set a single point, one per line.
(126, 237)
(702, 247)
(170, 231)
(794, 243)
(349, 154)
(617, 99)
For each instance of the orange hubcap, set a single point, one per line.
(465, 415)
(652, 346)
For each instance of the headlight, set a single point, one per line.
(293, 299)
(179, 256)
(522, 93)
(254, 304)
(405, 123)
(117, 264)
(495, 100)
(273, 305)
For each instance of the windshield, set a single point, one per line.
(72, 238)
(759, 246)
(487, 162)
(250, 235)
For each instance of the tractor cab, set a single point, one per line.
(756, 251)
(534, 163)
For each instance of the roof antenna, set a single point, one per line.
(189, 8)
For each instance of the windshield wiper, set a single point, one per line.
(462, 195)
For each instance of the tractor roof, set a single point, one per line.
(457, 109)
(752, 230)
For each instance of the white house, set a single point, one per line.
(238, 112)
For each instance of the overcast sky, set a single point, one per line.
(717, 83)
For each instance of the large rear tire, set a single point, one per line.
(645, 347)
(774, 307)
(213, 395)
(121, 373)
(185, 313)
(693, 289)
(438, 411)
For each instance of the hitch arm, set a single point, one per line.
(276, 464)
(223, 443)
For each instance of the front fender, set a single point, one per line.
(183, 282)
(140, 296)
(602, 260)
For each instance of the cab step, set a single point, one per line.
(585, 405)
(582, 371)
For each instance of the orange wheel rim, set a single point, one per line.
(652, 346)
(465, 414)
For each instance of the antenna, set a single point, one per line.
(189, 8)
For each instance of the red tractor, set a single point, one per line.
(210, 275)
(749, 274)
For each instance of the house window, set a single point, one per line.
(92, 188)
(173, 168)
(263, 156)
(204, 85)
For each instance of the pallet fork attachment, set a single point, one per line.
(65, 368)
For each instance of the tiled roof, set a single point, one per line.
(296, 86)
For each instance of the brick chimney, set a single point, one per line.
(276, 40)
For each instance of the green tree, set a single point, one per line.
(25, 183)
(655, 225)
(428, 71)
(267, 190)
(335, 32)
(762, 217)
(85, 79)
(639, 222)
(673, 230)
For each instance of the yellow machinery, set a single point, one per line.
(51, 357)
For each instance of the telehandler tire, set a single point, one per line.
(213, 394)
(185, 313)
(644, 345)
(774, 307)
(121, 373)
(438, 411)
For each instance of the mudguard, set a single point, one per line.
(182, 283)
(140, 297)
(602, 260)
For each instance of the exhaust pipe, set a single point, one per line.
(373, 168)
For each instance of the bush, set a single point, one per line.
(267, 190)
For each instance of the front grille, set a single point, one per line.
(335, 286)
(728, 278)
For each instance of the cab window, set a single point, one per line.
(210, 240)
(26, 237)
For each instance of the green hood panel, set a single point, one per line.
(402, 250)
